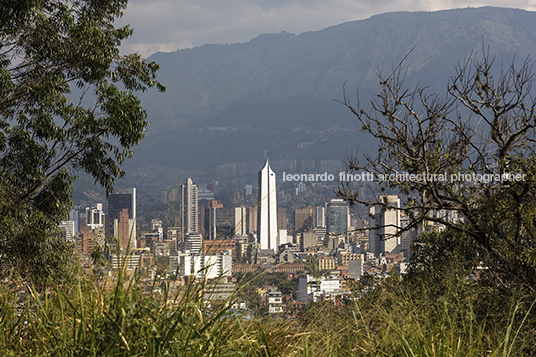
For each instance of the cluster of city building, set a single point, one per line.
(214, 242)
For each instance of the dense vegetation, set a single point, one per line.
(67, 105)
(401, 317)
(249, 283)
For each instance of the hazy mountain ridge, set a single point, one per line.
(283, 82)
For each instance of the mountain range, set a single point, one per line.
(231, 102)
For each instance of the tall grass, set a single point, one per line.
(399, 319)
(83, 320)
(395, 319)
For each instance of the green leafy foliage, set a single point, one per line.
(46, 136)
(441, 254)
(249, 283)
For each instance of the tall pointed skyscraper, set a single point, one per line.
(267, 208)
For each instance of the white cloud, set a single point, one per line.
(168, 25)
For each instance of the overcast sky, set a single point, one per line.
(169, 25)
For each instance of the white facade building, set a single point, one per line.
(95, 216)
(68, 227)
(218, 265)
(283, 237)
(320, 216)
(383, 239)
(189, 208)
(273, 300)
(240, 221)
(267, 209)
(202, 266)
(317, 289)
(192, 243)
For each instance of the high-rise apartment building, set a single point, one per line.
(303, 219)
(282, 237)
(320, 220)
(253, 215)
(240, 217)
(116, 204)
(337, 217)
(209, 223)
(218, 222)
(189, 208)
(386, 220)
(192, 243)
(74, 215)
(67, 228)
(281, 218)
(95, 216)
(267, 208)
(122, 230)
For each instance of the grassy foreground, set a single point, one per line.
(397, 318)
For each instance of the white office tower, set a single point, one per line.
(95, 216)
(68, 228)
(189, 208)
(338, 215)
(320, 216)
(240, 215)
(267, 209)
(387, 221)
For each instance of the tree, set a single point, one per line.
(46, 47)
(471, 154)
(440, 255)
